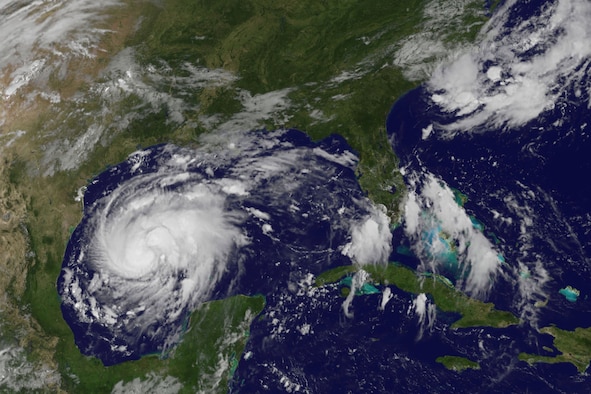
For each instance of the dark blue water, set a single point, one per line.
(311, 343)
(376, 351)
(304, 338)
(303, 241)
(549, 161)
(533, 176)
(542, 167)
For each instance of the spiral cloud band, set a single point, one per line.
(171, 227)
(154, 249)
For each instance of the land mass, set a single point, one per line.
(575, 348)
(456, 363)
(474, 312)
(203, 361)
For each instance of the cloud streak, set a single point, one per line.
(519, 70)
(62, 28)
(170, 228)
(443, 235)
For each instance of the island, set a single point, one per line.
(575, 348)
(570, 293)
(474, 313)
(456, 363)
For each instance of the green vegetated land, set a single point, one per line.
(456, 363)
(574, 347)
(474, 312)
(301, 46)
(203, 362)
(267, 45)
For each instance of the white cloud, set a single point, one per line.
(371, 239)
(440, 228)
(22, 75)
(256, 110)
(30, 26)
(531, 275)
(142, 242)
(426, 312)
(151, 384)
(420, 53)
(345, 158)
(357, 281)
(121, 79)
(12, 137)
(18, 374)
(160, 240)
(258, 213)
(386, 297)
(530, 66)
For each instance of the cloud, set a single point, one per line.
(425, 311)
(17, 374)
(357, 281)
(421, 52)
(152, 384)
(172, 227)
(386, 297)
(54, 27)
(443, 234)
(517, 71)
(256, 110)
(159, 244)
(371, 239)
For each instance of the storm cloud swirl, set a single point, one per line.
(171, 227)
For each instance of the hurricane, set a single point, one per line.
(158, 244)
(481, 282)
(171, 227)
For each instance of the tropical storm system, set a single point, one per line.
(295, 196)
(170, 228)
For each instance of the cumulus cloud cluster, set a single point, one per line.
(438, 225)
(518, 70)
(371, 239)
(162, 230)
